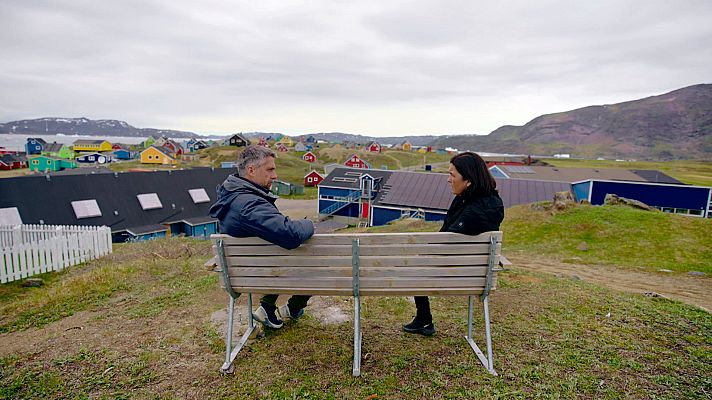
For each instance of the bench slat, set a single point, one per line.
(345, 272)
(373, 238)
(366, 261)
(240, 283)
(366, 250)
(368, 292)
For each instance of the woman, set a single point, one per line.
(476, 208)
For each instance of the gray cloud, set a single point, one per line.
(381, 68)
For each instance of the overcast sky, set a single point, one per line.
(377, 68)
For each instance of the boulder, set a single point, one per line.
(563, 200)
(612, 199)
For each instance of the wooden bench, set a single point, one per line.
(363, 264)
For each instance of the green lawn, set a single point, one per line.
(146, 333)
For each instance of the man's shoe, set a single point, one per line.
(267, 317)
(420, 327)
(285, 312)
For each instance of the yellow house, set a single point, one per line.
(91, 145)
(406, 146)
(285, 140)
(156, 155)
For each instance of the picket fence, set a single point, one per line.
(27, 250)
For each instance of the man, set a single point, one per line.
(245, 208)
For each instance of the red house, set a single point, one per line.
(263, 142)
(281, 147)
(312, 179)
(9, 161)
(373, 147)
(309, 157)
(355, 161)
(173, 146)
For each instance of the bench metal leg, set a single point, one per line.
(231, 353)
(357, 336)
(486, 362)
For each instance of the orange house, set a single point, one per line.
(156, 155)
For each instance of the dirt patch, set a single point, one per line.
(687, 289)
(297, 209)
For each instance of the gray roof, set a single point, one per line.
(655, 176)
(85, 141)
(431, 190)
(52, 147)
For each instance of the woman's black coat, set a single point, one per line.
(472, 216)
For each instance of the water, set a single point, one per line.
(17, 142)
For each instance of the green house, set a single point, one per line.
(45, 163)
(63, 151)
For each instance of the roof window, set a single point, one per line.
(86, 208)
(149, 201)
(199, 195)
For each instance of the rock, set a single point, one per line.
(696, 273)
(583, 246)
(664, 270)
(576, 277)
(32, 282)
(563, 200)
(612, 199)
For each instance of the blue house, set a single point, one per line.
(94, 158)
(678, 199)
(378, 196)
(34, 146)
(122, 154)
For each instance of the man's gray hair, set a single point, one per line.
(252, 155)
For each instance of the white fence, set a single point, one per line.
(26, 250)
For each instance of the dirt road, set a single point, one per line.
(693, 290)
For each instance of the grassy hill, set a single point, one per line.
(138, 324)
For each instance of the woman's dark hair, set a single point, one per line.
(474, 169)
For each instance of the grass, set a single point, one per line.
(613, 235)
(137, 324)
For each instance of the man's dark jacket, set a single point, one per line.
(244, 209)
(472, 216)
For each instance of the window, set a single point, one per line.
(86, 209)
(342, 179)
(149, 201)
(35, 162)
(199, 195)
(10, 216)
(310, 179)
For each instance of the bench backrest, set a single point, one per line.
(438, 263)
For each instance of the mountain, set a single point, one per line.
(87, 127)
(669, 126)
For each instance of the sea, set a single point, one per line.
(17, 142)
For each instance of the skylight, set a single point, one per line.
(86, 209)
(199, 195)
(149, 201)
(10, 216)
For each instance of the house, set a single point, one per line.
(263, 142)
(406, 146)
(313, 178)
(91, 145)
(238, 140)
(380, 196)
(373, 147)
(93, 158)
(194, 145)
(300, 147)
(11, 161)
(157, 155)
(123, 154)
(578, 174)
(136, 205)
(173, 146)
(34, 145)
(150, 141)
(309, 157)
(45, 164)
(673, 198)
(355, 161)
(286, 140)
(281, 147)
(310, 140)
(282, 188)
(58, 150)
